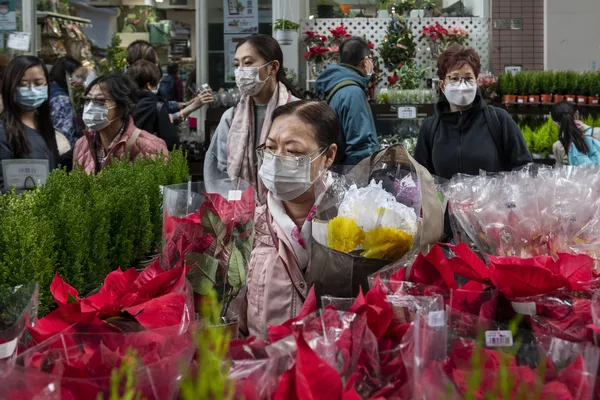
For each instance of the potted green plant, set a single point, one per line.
(572, 79)
(583, 88)
(534, 87)
(404, 7)
(325, 9)
(382, 9)
(547, 86)
(506, 88)
(284, 31)
(561, 86)
(428, 7)
(594, 88)
(521, 86)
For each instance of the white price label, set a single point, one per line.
(24, 173)
(234, 195)
(407, 112)
(19, 41)
(7, 349)
(498, 338)
(436, 319)
(524, 308)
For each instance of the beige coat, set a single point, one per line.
(276, 286)
(562, 158)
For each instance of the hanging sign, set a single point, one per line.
(24, 173)
(19, 41)
(240, 16)
(8, 16)
(231, 42)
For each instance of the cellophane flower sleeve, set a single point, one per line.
(26, 383)
(18, 306)
(481, 358)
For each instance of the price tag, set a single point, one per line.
(436, 319)
(7, 349)
(525, 308)
(407, 112)
(24, 173)
(498, 338)
(234, 195)
(19, 41)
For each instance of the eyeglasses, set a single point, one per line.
(457, 80)
(262, 152)
(97, 101)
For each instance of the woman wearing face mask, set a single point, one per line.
(25, 126)
(108, 106)
(299, 149)
(466, 135)
(63, 118)
(260, 76)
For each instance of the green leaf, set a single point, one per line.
(71, 299)
(236, 273)
(212, 224)
(203, 274)
(247, 248)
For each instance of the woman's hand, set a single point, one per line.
(205, 97)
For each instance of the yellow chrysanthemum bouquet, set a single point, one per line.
(372, 224)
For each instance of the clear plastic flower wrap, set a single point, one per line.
(529, 212)
(472, 357)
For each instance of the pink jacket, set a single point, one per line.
(146, 145)
(276, 287)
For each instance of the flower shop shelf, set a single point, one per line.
(545, 108)
(50, 14)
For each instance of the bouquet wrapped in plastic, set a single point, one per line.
(209, 226)
(529, 213)
(374, 215)
(482, 359)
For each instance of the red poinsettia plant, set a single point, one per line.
(215, 242)
(320, 47)
(316, 54)
(443, 38)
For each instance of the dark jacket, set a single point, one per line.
(358, 137)
(152, 115)
(463, 142)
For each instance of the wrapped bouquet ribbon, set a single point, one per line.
(387, 205)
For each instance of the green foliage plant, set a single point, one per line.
(211, 380)
(547, 82)
(284, 25)
(399, 46)
(562, 83)
(115, 59)
(522, 83)
(572, 79)
(595, 84)
(123, 377)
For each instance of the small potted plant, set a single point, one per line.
(583, 88)
(572, 79)
(506, 87)
(522, 86)
(404, 7)
(534, 87)
(325, 9)
(594, 88)
(284, 31)
(547, 86)
(428, 7)
(382, 9)
(561, 86)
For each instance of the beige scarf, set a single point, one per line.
(241, 157)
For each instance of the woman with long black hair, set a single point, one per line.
(26, 130)
(577, 142)
(260, 76)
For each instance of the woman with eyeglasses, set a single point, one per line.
(26, 130)
(466, 135)
(298, 151)
(111, 133)
(260, 76)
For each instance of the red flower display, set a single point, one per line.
(339, 32)
(316, 53)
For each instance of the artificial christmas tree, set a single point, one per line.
(398, 45)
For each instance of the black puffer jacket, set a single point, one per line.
(464, 143)
(152, 115)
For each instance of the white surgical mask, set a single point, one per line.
(461, 95)
(287, 178)
(30, 98)
(95, 116)
(248, 80)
